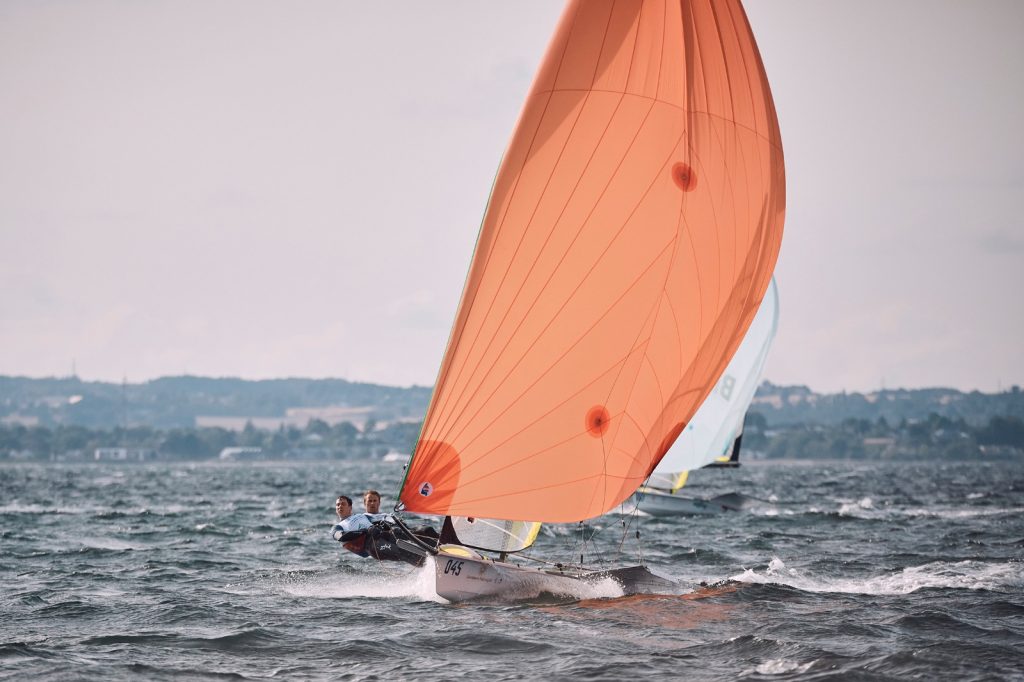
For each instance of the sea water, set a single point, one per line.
(227, 571)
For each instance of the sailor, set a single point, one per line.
(355, 522)
(343, 506)
(371, 501)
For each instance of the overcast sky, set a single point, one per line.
(271, 189)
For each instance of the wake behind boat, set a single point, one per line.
(629, 239)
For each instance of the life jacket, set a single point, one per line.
(383, 545)
(357, 545)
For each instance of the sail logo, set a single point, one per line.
(426, 489)
(727, 385)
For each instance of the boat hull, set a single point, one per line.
(664, 504)
(463, 575)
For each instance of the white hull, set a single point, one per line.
(462, 575)
(664, 504)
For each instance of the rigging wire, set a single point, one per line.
(633, 515)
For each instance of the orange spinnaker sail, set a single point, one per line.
(631, 233)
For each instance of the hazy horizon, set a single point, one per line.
(261, 190)
(130, 382)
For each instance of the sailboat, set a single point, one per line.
(714, 434)
(630, 236)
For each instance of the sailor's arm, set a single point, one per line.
(350, 528)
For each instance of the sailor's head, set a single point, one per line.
(371, 501)
(343, 505)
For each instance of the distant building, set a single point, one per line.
(882, 446)
(297, 417)
(235, 454)
(68, 456)
(123, 454)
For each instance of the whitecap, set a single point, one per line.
(972, 575)
(780, 666)
(108, 543)
(858, 508)
(958, 513)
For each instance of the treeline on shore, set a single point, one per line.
(318, 440)
(937, 437)
(182, 402)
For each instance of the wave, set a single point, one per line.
(248, 639)
(390, 583)
(103, 512)
(969, 575)
(960, 513)
(865, 509)
(109, 544)
(779, 666)
(12, 652)
(137, 670)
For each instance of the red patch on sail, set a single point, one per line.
(597, 421)
(684, 177)
(433, 478)
(666, 443)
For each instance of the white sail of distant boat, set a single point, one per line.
(712, 433)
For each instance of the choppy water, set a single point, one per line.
(227, 571)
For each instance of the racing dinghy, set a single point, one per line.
(630, 237)
(463, 573)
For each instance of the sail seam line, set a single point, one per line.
(440, 428)
(555, 407)
(462, 397)
(629, 73)
(456, 414)
(574, 291)
(702, 112)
